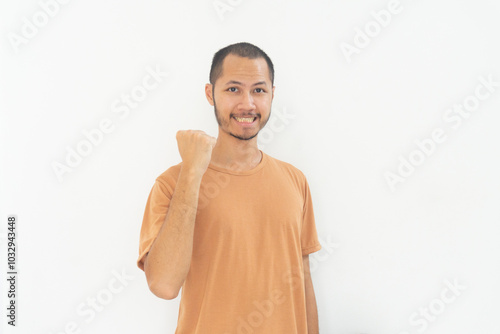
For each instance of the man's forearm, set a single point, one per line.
(168, 261)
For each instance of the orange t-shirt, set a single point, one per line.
(251, 230)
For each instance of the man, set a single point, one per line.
(231, 225)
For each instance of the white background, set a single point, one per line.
(387, 253)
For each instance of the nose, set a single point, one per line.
(246, 102)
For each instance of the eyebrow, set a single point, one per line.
(233, 82)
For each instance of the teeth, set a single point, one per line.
(246, 120)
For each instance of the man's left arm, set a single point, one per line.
(311, 308)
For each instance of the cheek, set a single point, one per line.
(227, 101)
(263, 105)
(264, 100)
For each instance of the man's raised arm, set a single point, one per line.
(167, 263)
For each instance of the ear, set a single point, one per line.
(208, 94)
(272, 97)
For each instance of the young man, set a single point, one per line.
(231, 225)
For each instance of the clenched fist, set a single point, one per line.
(195, 147)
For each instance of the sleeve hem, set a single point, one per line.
(311, 249)
(140, 260)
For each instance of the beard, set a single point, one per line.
(223, 124)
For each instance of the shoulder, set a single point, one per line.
(169, 177)
(287, 169)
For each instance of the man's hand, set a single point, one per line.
(195, 147)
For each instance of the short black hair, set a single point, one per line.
(242, 49)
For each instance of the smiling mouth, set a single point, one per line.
(245, 119)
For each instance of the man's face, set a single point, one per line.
(242, 96)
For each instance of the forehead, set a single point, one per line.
(244, 69)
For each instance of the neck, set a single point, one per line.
(235, 154)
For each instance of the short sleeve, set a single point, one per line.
(154, 216)
(309, 236)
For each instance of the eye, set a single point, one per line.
(259, 90)
(232, 89)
